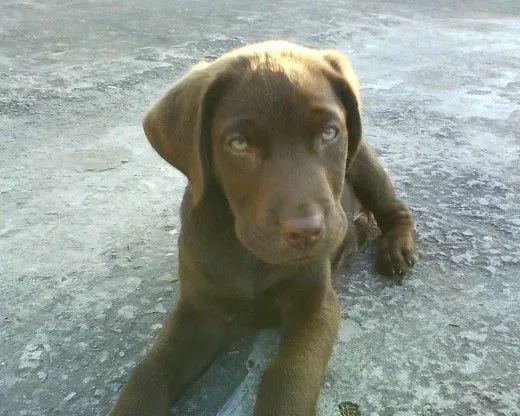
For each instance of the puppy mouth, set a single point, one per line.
(292, 259)
(274, 250)
(301, 259)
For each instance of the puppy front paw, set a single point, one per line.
(396, 253)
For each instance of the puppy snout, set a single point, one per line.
(302, 233)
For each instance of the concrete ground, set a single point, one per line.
(88, 211)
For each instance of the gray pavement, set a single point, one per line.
(88, 212)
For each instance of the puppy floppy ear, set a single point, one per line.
(346, 85)
(176, 123)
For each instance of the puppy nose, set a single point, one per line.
(302, 232)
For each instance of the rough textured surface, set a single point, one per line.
(89, 212)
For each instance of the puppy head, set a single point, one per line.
(274, 125)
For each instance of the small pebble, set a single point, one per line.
(157, 326)
(69, 397)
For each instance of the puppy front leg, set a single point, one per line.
(292, 383)
(185, 346)
(397, 251)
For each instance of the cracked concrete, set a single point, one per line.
(89, 213)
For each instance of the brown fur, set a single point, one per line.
(271, 209)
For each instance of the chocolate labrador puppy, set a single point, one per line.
(281, 190)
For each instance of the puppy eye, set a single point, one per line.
(237, 143)
(329, 134)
